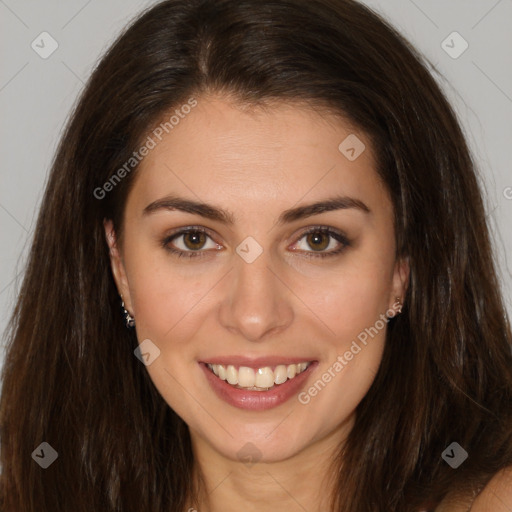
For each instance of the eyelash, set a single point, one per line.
(338, 236)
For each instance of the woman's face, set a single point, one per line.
(263, 279)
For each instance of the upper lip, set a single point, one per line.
(256, 362)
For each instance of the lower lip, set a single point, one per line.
(257, 400)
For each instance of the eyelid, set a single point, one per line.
(338, 235)
(183, 231)
(186, 229)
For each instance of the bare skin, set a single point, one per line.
(256, 164)
(496, 496)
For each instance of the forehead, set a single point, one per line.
(255, 156)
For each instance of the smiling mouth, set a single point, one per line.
(257, 379)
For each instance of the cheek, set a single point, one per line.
(162, 297)
(355, 311)
(168, 297)
(354, 299)
(166, 304)
(342, 383)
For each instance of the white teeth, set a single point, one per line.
(291, 370)
(246, 377)
(261, 379)
(231, 374)
(301, 367)
(280, 374)
(264, 377)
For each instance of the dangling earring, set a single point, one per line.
(128, 319)
(399, 301)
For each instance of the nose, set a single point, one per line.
(258, 303)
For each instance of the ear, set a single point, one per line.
(400, 280)
(117, 265)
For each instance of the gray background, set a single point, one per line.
(36, 95)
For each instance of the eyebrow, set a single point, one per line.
(225, 217)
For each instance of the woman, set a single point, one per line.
(281, 200)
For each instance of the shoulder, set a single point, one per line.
(497, 494)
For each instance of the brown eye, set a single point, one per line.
(194, 240)
(322, 242)
(318, 241)
(190, 242)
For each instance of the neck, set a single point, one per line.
(303, 481)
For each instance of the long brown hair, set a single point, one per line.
(70, 377)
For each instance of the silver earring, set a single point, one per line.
(128, 319)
